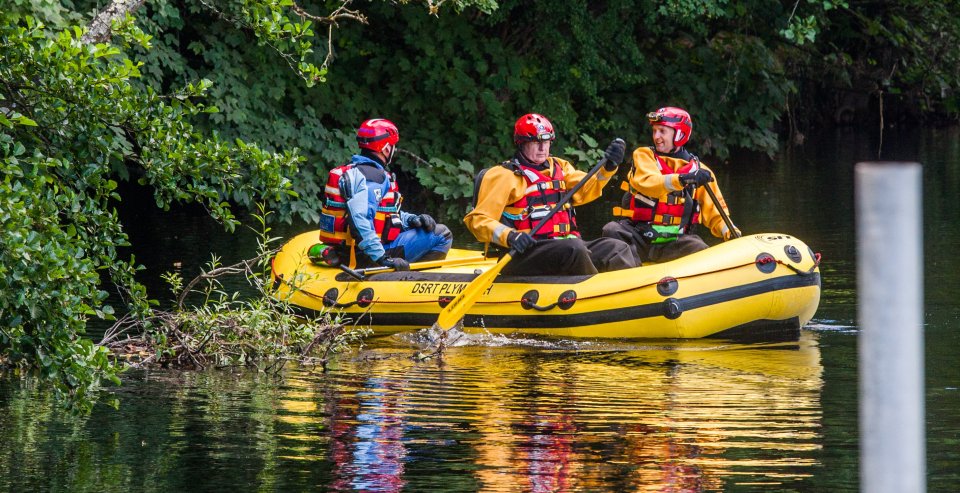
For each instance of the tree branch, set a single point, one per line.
(101, 28)
(244, 266)
(342, 12)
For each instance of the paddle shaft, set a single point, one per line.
(361, 274)
(726, 219)
(457, 308)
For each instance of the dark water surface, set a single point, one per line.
(531, 415)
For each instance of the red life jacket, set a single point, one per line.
(334, 221)
(676, 208)
(542, 193)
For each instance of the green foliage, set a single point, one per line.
(74, 123)
(802, 29)
(588, 156)
(225, 329)
(455, 84)
(903, 52)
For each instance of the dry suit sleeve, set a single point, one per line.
(360, 216)
(646, 178)
(592, 189)
(709, 214)
(498, 188)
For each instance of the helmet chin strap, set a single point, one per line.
(388, 158)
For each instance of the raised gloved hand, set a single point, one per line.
(614, 154)
(395, 263)
(699, 178)
(519, 241)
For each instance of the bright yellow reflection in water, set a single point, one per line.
(674, 416)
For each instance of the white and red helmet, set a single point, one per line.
(533, 128)
(378, 135)
(677, 119)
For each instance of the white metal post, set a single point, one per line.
(890, 312)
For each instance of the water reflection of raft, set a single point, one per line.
(758, 285)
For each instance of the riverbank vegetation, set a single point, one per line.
(211, 326)
(232, 103)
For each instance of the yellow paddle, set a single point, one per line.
(453, 312)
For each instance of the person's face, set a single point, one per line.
(663, 139)
(536, 152)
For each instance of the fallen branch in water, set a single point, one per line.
(225, 331)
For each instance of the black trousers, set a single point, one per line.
(571, 257)
(624, 230)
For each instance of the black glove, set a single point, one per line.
(427, 222)
(699, 178)
(614, 154)
(395, 263)
(519, 241)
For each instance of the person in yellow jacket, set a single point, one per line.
(513, 196)
(665, 197)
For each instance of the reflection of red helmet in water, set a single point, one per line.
(675, 118)
(533, 128)
(378, 135)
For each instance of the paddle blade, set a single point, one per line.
(458, 307)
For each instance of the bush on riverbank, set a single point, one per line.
(227, 330)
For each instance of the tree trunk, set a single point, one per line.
(102, 26)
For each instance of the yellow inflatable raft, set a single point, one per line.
(760, 285)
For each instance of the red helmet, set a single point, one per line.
(675, 118)
(378, 135)
(533, 128)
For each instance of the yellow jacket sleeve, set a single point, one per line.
(646, 178)
(592, 189)
(499, 188)
(709, 214)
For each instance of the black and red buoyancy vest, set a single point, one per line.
(676, 208)
(334, 223)
(542, 193)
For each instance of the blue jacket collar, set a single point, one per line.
(361, 159)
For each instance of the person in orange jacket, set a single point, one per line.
(665, 194)
(512, 197)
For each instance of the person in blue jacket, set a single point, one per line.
(361, 215)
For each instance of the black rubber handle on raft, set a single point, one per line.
(352, 273)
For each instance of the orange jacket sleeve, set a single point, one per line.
(592, 189)
(709, 214)
(499, 188)
(646, 178)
